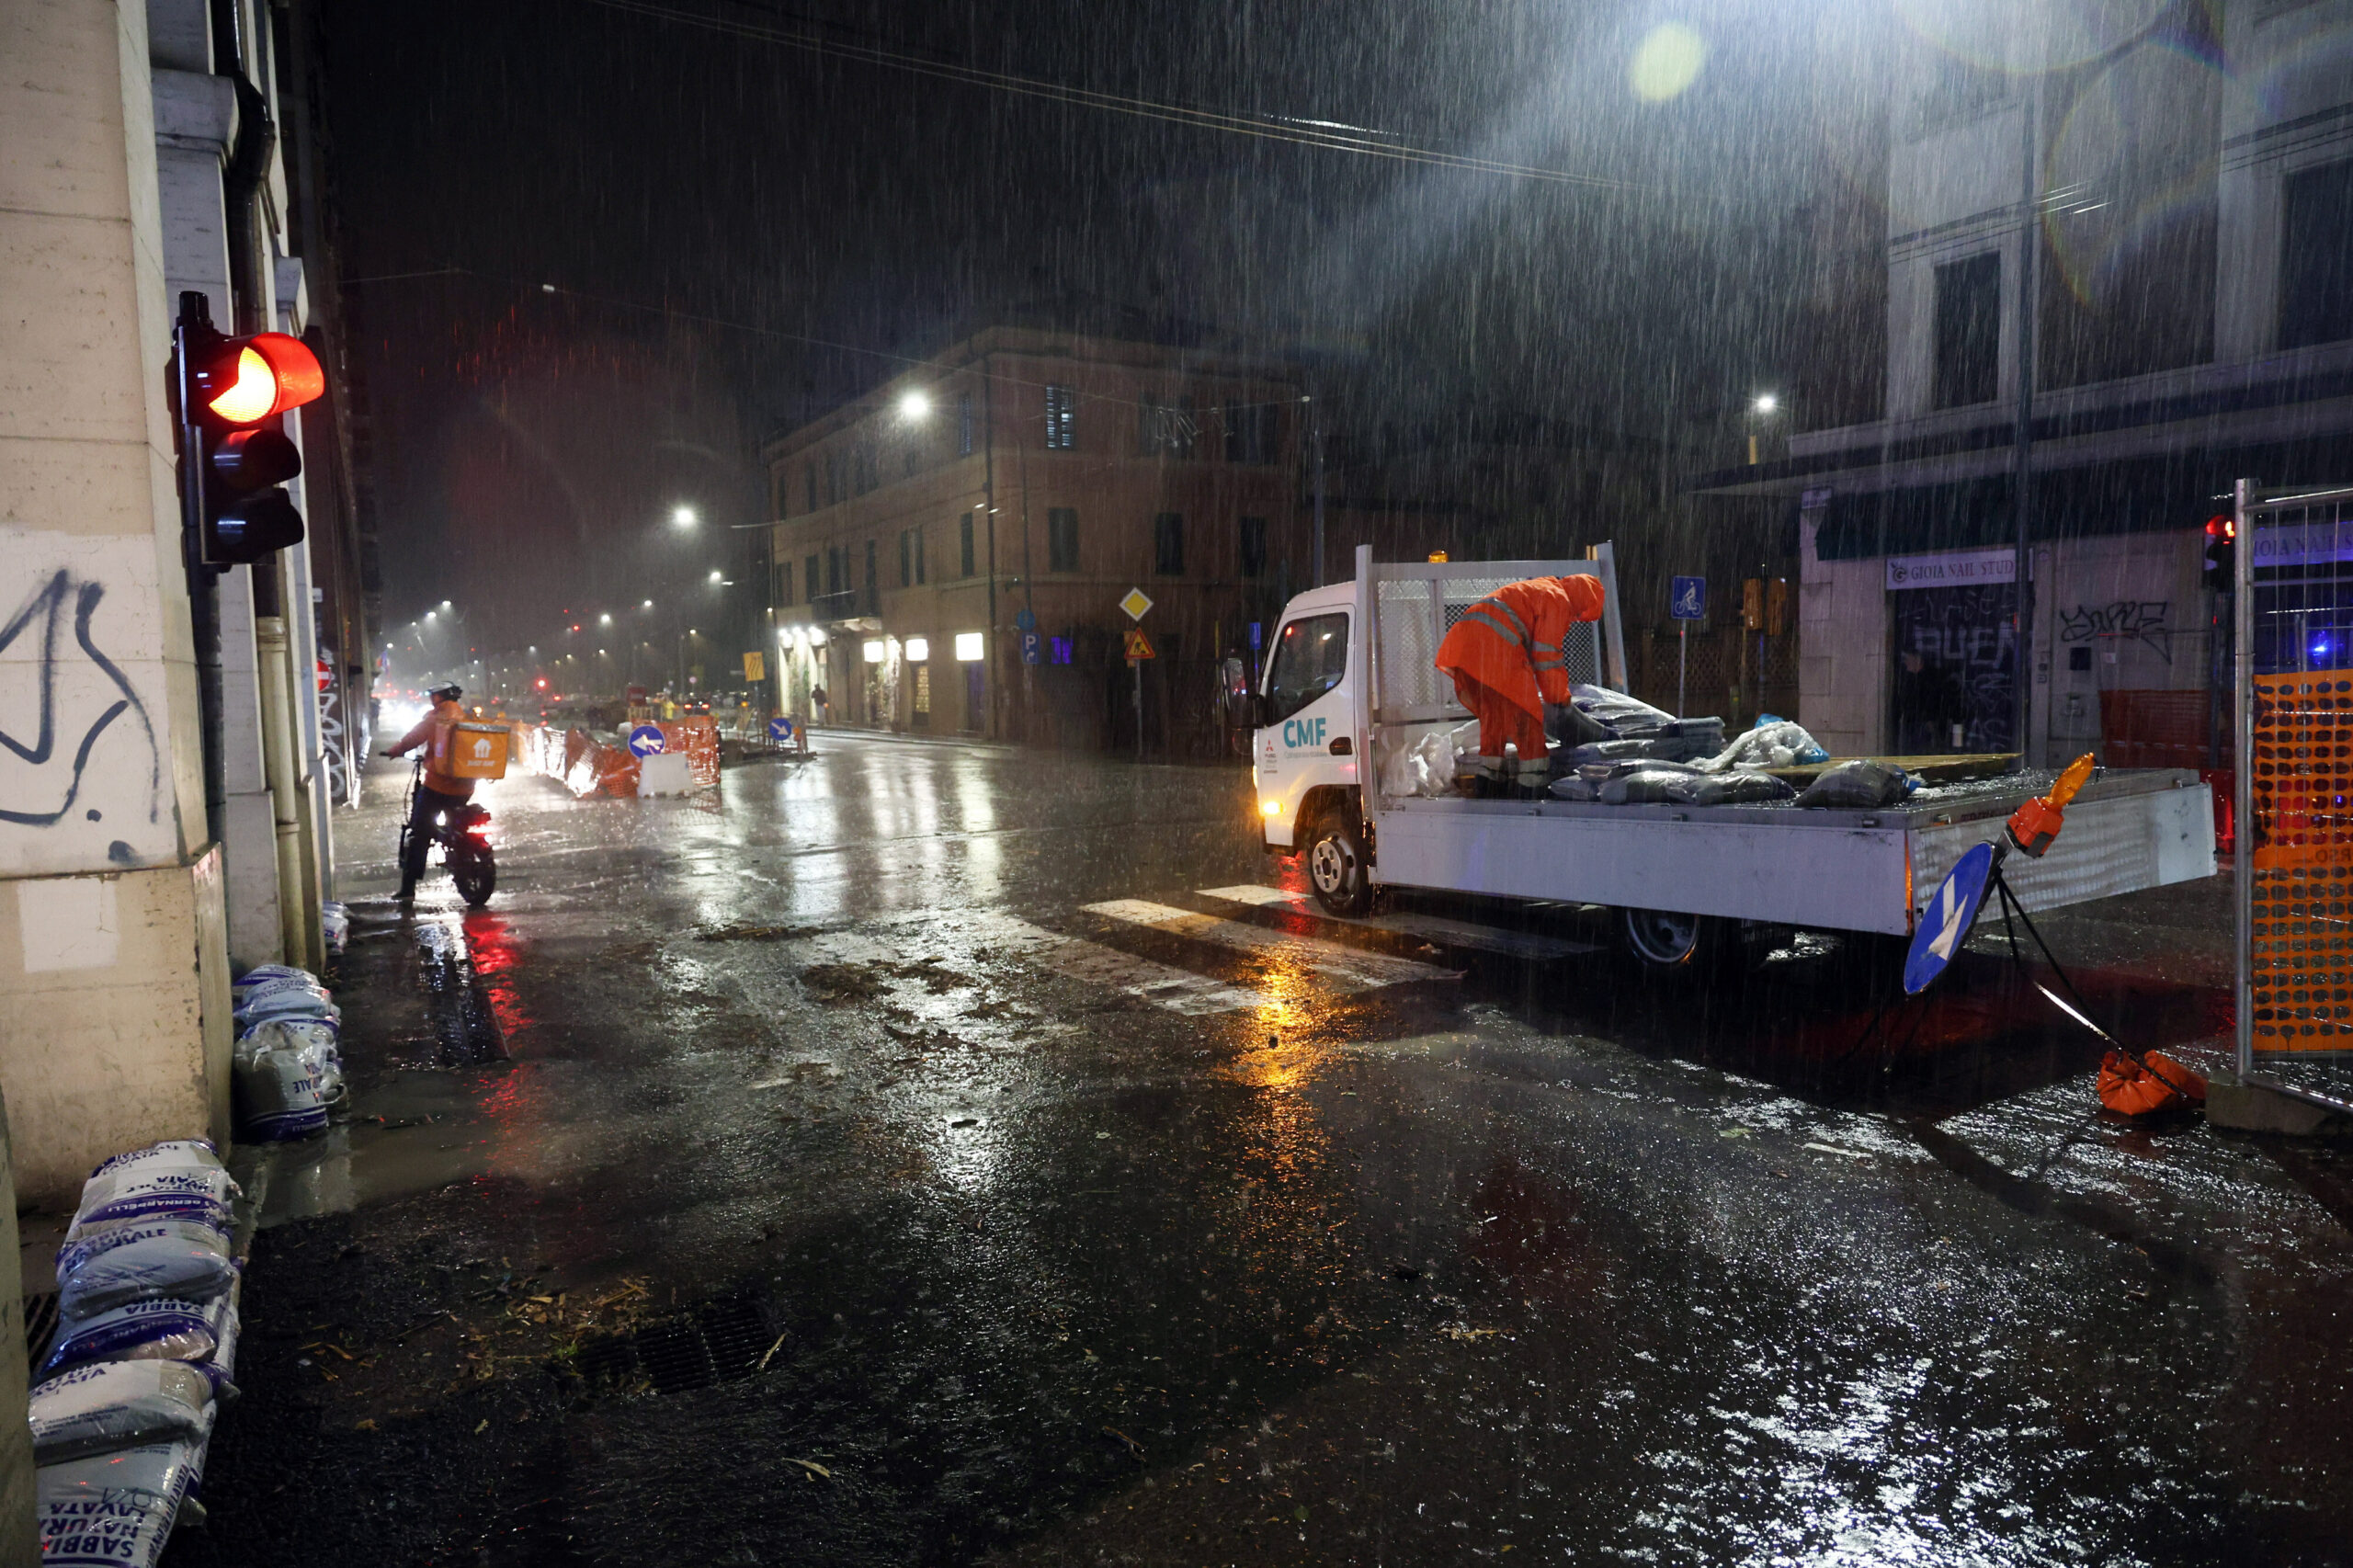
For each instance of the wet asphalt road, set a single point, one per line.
(808, 1175)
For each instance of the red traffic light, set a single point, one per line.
(2223, 527)
(543, 683)
(248, 380)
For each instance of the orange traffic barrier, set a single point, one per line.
(2131, 1089)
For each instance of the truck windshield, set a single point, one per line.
(1310, 657)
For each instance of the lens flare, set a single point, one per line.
(1666, 62)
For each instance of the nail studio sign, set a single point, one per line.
(1960, 569)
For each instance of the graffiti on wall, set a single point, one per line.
(71, 717)
(2133, 620)
(1956, 654)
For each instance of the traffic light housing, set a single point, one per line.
(2222, 552)
(233, 395)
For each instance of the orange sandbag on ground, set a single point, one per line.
(2128, 1088)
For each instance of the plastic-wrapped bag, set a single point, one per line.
(114, 1510)
(276, 1090)
(313, 1041)
(336, 920)
(263, 975)
(1615, 710)
(110, 1265)
(109, 1405)
(1642, 786)
(158, 1328)
(1859, 783)
(177, 1153)
(148, 1192)
(286, 1002)
(1735, 789)
(1774, 743)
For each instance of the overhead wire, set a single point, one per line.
(1328, 135)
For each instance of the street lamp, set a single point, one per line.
(915, 405)
(1766, 402)
(683, 516)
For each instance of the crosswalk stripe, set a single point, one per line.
(1341, 969)
(1163, 985)
(1438, 928)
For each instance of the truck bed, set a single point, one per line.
(1818, 869)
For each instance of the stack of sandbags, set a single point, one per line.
(288, 1061)
(145, 1349)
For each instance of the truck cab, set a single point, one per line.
(1304, 751)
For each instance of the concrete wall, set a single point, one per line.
(1843, 631)
(113, 978)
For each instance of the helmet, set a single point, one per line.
(448, 691)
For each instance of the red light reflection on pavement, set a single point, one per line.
(496, 952)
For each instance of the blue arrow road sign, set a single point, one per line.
(645, 740)
(1025, 621)
(1945, 922)
(779, 728)
(1690, 599)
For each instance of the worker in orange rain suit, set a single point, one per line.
(1504, 657)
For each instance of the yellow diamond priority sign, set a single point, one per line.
(1135, 604)
(1139, 645)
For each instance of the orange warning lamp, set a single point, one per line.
(2036, 824)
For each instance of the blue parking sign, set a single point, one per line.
(1033, 647)
(1688, 600)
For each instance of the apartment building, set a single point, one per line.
(948, 553)
(2186, 190)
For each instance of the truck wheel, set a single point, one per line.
(1666, 943)
(1335, 865)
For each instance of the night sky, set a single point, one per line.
(742, 234)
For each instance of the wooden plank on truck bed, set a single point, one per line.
(1954, 767)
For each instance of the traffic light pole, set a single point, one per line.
(192, 331)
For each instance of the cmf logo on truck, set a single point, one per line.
(1302, 733)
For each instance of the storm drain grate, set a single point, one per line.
(40, 1325)
(723, 1339)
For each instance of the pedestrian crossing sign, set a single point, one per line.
(1139, 645)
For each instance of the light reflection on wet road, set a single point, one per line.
(1069, 1260)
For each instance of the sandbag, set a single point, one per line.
(1774, 743)
(2128, 1088)
(290, 1001)
(1858, 784)
(113, 1510)
(315, 1042)
(1615, 710)
(1643, 786)
(175, 1153)
(263, 975)
(1727, 789)
(147, 1191)
(110, 1265)
(276, 1093)
(158, 1328)
(110, 1405)
(335, 920)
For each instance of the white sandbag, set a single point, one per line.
(158, 1328)
(113, 1510)
(148, 1192)
(178, 1153)
(286, 1002)
(110, 1265)
(1778, 744)
(313, 1041)
(276, 1092)
(263, 975)
(110, 1405)
(336, 920)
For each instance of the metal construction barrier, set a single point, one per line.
(586, 765)
(2291, 612)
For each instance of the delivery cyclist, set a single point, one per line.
(439, 794)
(1504, 656)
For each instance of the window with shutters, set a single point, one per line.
(964, 546)
(1062, 540)
(1061, 417)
